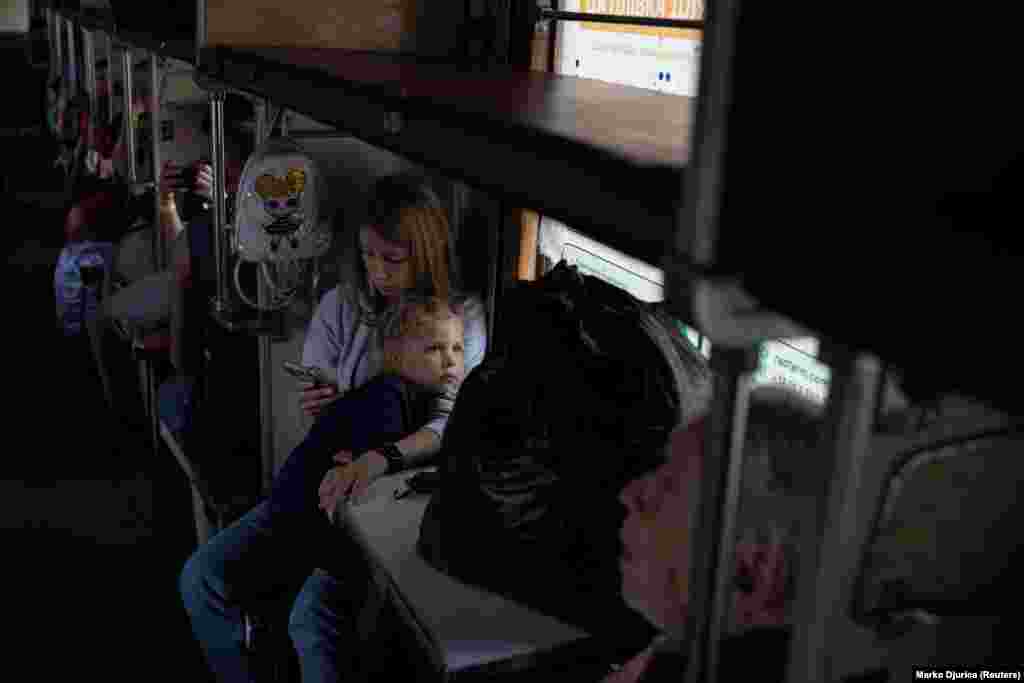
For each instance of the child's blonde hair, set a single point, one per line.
(413, 316)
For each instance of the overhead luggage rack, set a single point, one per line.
(602, 157)
(100, 20)
(182, 50)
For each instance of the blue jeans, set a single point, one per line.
(275, 546)
(249, 564)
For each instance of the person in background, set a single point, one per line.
(782, 433)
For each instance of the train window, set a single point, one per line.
(558, 241)
(663, 59)
(667, 60)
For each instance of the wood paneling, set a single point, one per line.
(379, 25)
(529, 222)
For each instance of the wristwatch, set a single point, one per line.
(396, 461)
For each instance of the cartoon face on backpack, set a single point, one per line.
(282, 200)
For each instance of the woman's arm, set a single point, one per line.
(322, 347)
(419, 447)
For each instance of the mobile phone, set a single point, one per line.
(308, 373)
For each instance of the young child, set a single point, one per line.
(422, 357)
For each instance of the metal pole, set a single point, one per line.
(160, 257)
(109, 47)
(319, 135)
(72, 59)
(828, 568)
(264, 112)
(697, 222)
(493, 270)
(110, 77)
(129, 131)
(201, 23)
(553, 42)
(691, 248)
(48, 18)
(54, 38)
(220, 304)
(558, 15)
(266, 365)
(89, 57)
(722, 464)
(62, 68)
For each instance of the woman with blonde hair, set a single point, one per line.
(403, 244)
(402, 247)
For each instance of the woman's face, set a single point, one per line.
(388, 264)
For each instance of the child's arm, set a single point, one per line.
(359, 420)
(348, 479)
(419, 447)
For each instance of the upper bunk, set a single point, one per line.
(862, 218)
(605, 158)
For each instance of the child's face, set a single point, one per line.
(434, 356)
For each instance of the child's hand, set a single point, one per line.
(350, 479)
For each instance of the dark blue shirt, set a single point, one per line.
(380, 411)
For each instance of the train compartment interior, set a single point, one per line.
(629, 141)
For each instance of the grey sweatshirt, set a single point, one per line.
(340, 338)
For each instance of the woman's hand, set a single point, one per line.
(204, 182)
(313, 400)
(350, 479)
(170, 178)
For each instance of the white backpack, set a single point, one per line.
(277, 205)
